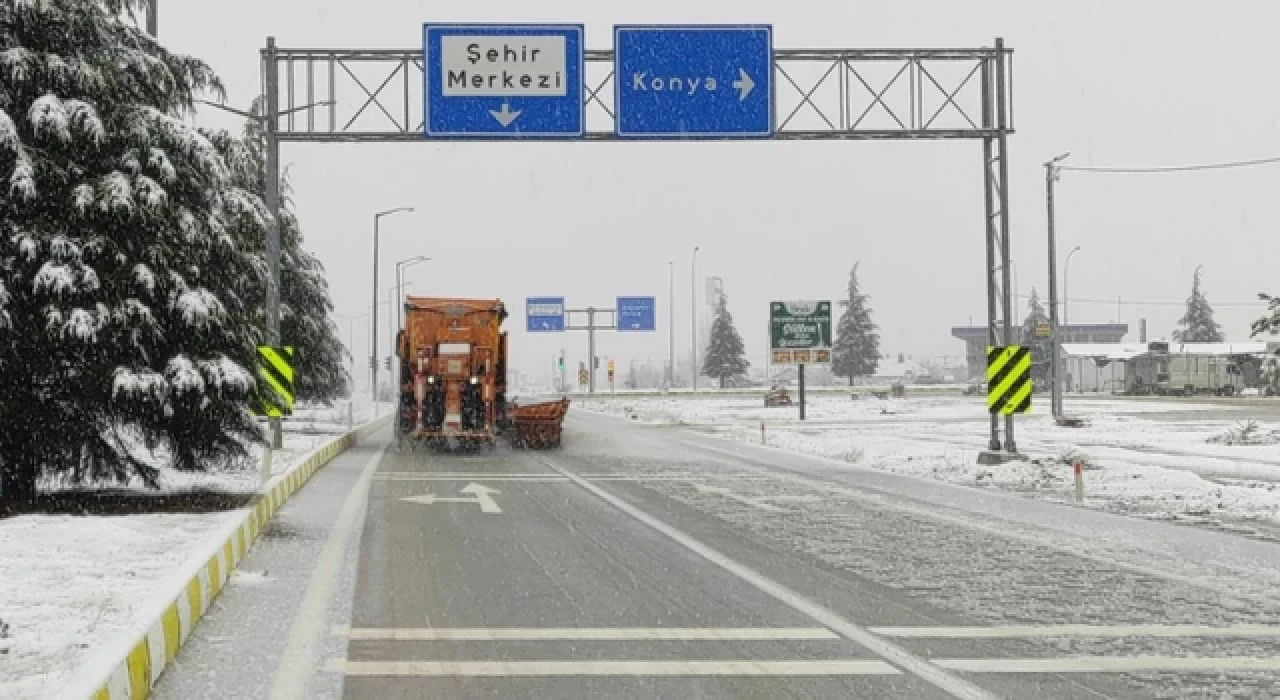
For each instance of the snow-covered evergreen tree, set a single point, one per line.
(726, 356)
(857, 348)
(1269, 323)
(305, 303)
(1041, 346)
(1197, 324)
(118, 325)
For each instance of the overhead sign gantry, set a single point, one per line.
(528, 82)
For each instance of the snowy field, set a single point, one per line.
(1206, 463)
(73, 583)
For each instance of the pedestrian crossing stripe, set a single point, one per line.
(1009, 379)
(275, 374)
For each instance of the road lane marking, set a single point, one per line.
(955, 685)
(540, 634)
(306, 632)
(612, 668)
(1112, 664)
(1029, 631)
(426, 477)
(760, 502)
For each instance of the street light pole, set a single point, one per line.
(693, 305)
(153, 18)
(373, 335)
(1066, 287)
(400, 266)
(671, 325)
(1051, 174)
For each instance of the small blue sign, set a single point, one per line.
(544, 314)
(693, 81)
(637, 313)
(503, 80)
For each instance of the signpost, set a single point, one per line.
(800, 334)
(637, 313)
(544, 314)
(693, 81)
(503, 80)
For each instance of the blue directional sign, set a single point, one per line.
(637, 314)
(693, 81)
(503, 80)
(544, 314)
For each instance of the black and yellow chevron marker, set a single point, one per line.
(275, 375)
(1009, 379)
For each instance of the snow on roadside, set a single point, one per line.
(72, 583)
(1151, 459)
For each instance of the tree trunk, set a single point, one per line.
(17, 483)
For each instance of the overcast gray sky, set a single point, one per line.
(1115, 83)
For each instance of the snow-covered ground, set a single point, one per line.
(1160, 459)
(69, 584)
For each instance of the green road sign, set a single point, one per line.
(800, 332)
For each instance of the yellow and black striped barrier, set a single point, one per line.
(275, 377)
(1009, 379)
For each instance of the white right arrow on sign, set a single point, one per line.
(744, 84)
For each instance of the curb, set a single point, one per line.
(131, 675)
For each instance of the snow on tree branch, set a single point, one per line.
(182, 376)
(55, 278)
(138, 385)
(49, 119)
(116, 193)
(224, 374)
(199, 307)
(145, 277)
(9, 140)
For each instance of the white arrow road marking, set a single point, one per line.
(744, 85)
(479, 496)
(761, 502)
(505, 116)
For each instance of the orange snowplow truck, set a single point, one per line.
(453, 372)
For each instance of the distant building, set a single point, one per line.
(975, 340)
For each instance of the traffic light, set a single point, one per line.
(610, 371)
(561, 363)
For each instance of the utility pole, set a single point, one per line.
(693, 305)
(1051, 174)
(153, 19)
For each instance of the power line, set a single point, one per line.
(1141, 302)
(1172, 168)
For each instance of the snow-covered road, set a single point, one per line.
(1158, 459)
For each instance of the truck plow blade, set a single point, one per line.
(538, 426)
